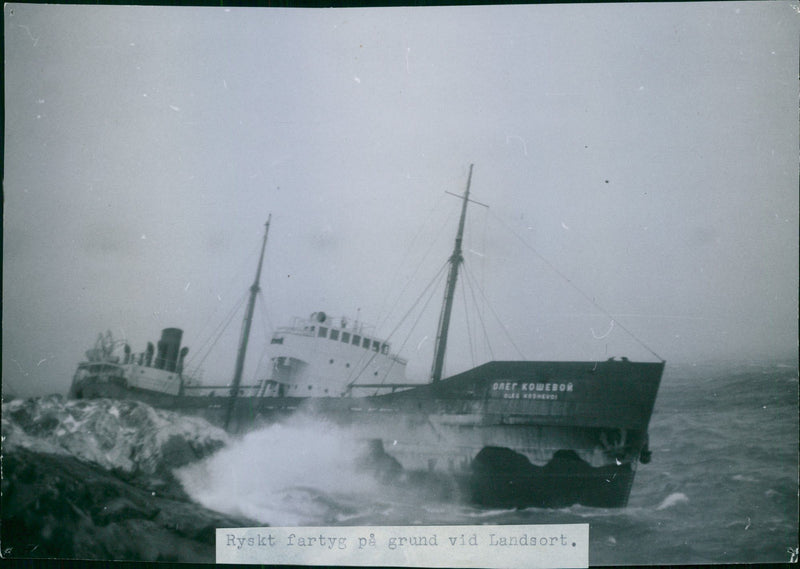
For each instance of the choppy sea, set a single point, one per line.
(722, 486)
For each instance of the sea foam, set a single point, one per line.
(300, 472)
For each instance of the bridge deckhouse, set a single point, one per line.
(322, 356)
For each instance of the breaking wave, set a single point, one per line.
(304, 471)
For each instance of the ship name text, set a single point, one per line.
(529, 390)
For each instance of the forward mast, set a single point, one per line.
(245, 336)
(447, 306)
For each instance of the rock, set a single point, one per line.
(128, 437)
(57, 506)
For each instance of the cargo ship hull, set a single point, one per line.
(547, 434)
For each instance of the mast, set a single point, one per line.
(245, 336)
(444, 318)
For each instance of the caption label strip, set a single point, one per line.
(519, 546)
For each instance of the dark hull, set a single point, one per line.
(547, 434)
(501, 477)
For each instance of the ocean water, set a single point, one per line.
(722, 486)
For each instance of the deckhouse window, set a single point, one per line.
(356, 340)
(366, 344)
(346, 337)
(277, 341)
(334, 334)
(323, 332)
(375, 345)
(385, 349)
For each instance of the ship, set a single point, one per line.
(507, 433)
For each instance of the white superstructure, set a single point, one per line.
(330, 357)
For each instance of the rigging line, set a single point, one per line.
(358, 366)
(469, 326)
(208, 351)
(361, 365)
(431, 244)
(419, 317)
(482, 284)
(221, 328)
(359, 369)
(266, 319)
(499, 321)
(228, 287)
(580, 291)
(471, 232)
(470, 281)
(267, 335)
(473, 285)
(211, 335)
(264, 349)
(436, 279)
(419, 230)
(414, 325)
(430, 284)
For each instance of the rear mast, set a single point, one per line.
(245, 336)
(447, 307)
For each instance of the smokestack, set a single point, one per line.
(148, 357)
(168, 349)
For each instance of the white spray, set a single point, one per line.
(302, 472)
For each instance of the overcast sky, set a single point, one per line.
(648, 151)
